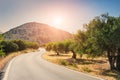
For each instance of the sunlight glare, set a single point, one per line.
(58, 21)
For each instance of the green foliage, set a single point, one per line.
(104, 36)
(49, 46)
(64, 62)
(67, 44)
(9, 46)
(60, 47)
(21, 44)
(55, 47)
(2, 54)
(33, 45)
(101, 35)
(26, 44)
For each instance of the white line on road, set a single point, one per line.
(7, 70)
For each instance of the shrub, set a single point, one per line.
(33, 45)
(9, 46)
(2, 54)
(64, 62)
(21, 44)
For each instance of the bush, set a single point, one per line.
(9, 46)
(2, 54)
(33, 45)
(21, 44)
(64, 62)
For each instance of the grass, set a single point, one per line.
(6, 59)
(86, 69)
(64, 62)
(67, 63)
(98, 67)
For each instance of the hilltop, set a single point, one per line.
(38, 32)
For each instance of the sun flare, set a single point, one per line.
(58, 21)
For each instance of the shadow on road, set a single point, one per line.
(1, 75)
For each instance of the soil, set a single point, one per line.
(97, 67)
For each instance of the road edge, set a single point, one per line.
(5, 77)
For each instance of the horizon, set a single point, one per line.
(66, 15)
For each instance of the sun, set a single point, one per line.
(58, 21)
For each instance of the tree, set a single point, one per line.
(49, 46)
(55, 48)
(80, 42)
(66, 45)
(104, 35)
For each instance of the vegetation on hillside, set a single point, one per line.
(100, 37)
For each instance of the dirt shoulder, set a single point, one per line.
(98, 67)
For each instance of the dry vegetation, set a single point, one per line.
(6, 59)
(97, 67)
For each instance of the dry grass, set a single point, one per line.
(97, 67)
(6, 59)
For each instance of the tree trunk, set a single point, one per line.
(74, 55)
(118, 61)
(111, 60)
(57, 53)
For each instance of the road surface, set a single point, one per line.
(32, 66)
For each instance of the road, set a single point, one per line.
(32, 66)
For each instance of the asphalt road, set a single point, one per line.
(32, 66)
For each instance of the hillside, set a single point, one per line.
(39, 32)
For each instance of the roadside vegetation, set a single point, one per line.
(10, 49)
(100, 38)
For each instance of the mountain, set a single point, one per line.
(38, 32)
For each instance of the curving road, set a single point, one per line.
(32, 67)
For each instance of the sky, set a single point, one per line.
(68, 15)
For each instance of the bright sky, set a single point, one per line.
(68, 15)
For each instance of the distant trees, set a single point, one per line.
(21, 44)
(7, 47)
(61, 47)
(33, 45)
(101, 36)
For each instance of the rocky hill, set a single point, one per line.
(38, 32)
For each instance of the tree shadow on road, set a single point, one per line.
(1, 75)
